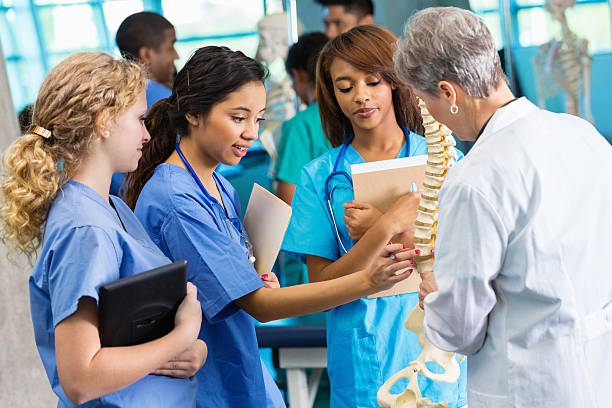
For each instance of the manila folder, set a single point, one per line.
(266, 220)
(381, 183)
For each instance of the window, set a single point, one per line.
(488, 10)
(37, 34)
(533, 25)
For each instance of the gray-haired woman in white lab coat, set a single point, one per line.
(528, 214)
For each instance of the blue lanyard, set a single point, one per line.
(210, 198)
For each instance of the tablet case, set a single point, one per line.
(141, 307)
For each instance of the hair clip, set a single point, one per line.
(41, 131)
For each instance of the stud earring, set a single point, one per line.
(106, 133)
(454, 109)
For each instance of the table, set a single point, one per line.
(300, 348)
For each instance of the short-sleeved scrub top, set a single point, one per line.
(185, 224)
(366, 339)
(84, 247)
(302, 140)
(155, 92)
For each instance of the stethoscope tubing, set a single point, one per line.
(335, 172)
(209, 197)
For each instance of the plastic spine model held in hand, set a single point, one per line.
(567, 62)
(440, 156)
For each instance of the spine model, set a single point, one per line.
(440, 156)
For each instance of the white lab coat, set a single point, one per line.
(528, 215)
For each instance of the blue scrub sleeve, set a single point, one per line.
(82, 260)
(218, 265)
(310, 230)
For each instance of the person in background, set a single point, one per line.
(25, 118)
(342, 15)
(88, 124)
(302, 136)
(368, 114)
(148, 38)
(527, 212)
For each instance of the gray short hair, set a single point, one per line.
(448, 43)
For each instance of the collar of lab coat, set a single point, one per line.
(506, 116)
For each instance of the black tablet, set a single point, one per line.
(141, 307)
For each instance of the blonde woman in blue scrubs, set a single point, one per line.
(89, 124)
(368, 115)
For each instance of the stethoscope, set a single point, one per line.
(335, 172)
(211, 199)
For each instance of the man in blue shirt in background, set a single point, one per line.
(148, 38)
(339, 16)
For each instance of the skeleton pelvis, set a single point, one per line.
(408, 397)
(411, 396)
(431, 353)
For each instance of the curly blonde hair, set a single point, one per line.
(79, 97)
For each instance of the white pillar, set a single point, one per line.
(23, 382)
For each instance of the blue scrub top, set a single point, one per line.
(84, 247)
(366, 339)
(155, 92)
(186, 225)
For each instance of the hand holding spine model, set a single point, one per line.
(440, 156)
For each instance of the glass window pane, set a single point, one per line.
(116, 11)
(592, 22)
(198, 18)
(25, 77)
(69, 27)
(25, 41)
(5, 36)
(588, 21)
(478, 5)
(493, 22)
(521, 3)
(274, 6)
(247, 44)
(44, 2)
(535, 26)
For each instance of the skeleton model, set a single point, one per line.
(280, 103)
(567, 62)
(440, 156)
